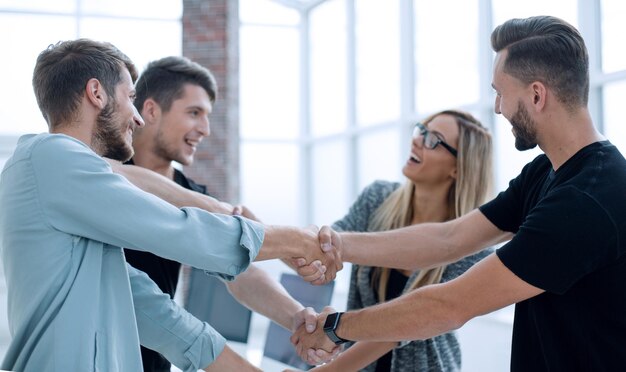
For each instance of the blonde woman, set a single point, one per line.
(448, 174)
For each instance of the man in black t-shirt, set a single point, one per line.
(175, 97)
(163, 272)
(564, 217)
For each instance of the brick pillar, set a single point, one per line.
(211, 38)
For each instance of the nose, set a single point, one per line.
(204, 127)
(497, 109)
(418, 141)
(137, 119)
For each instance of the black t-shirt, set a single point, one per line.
(164, 273)
(570, 240)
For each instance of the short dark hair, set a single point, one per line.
(549, 50)
(163, 81)
(63, 70)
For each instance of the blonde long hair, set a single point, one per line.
(470, 190)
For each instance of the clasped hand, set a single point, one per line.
(326, 253)
(315, 347)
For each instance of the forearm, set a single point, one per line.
(422, 246)
(398, 319)
(357, 357)
(164, 188)
(228, 361)
(399, 249)
(428, 311)
(259, 292)
(435, 309)
(287, 242)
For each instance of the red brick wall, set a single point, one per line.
(211, 38)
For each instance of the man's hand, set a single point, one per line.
(329, 242)
(242, 210)
(329, 239)
(312, 273)
(294, 243)
(307, 319)
(305, 341)
(330, 258)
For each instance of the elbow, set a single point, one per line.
(453, 247)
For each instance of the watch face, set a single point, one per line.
(331, 319)
(330, 325)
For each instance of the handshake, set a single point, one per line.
(314, 254)
(310, 340)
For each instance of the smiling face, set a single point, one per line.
(117, 121)
(434, 166)
(509, 102)
(180, 130)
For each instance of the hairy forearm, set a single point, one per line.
(259, 292)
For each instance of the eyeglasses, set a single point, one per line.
(430, 140)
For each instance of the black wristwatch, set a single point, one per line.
(330, 326)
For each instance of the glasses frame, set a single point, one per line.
(420, 130)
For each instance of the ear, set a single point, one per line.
(540, 93)
(150, 111)
(453, 174)
(95, 93)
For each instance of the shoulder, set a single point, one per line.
(55, 146)
(58, 155)
(536, 168)
(379, 189)
(375, 194)
(186, 182)
(372, 196)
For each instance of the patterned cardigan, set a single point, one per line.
(438, 354)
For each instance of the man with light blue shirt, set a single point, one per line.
(73, 302)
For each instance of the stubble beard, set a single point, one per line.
(169, 152)
(109, 136)
(524, 129)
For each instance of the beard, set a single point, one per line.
(523, 129)
(169, 150)
(165, 150)
(109, 136)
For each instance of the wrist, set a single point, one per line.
(297, 318)
(347, 242)
(279, 242)
(330, 328)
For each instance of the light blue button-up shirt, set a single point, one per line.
(73, 302)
